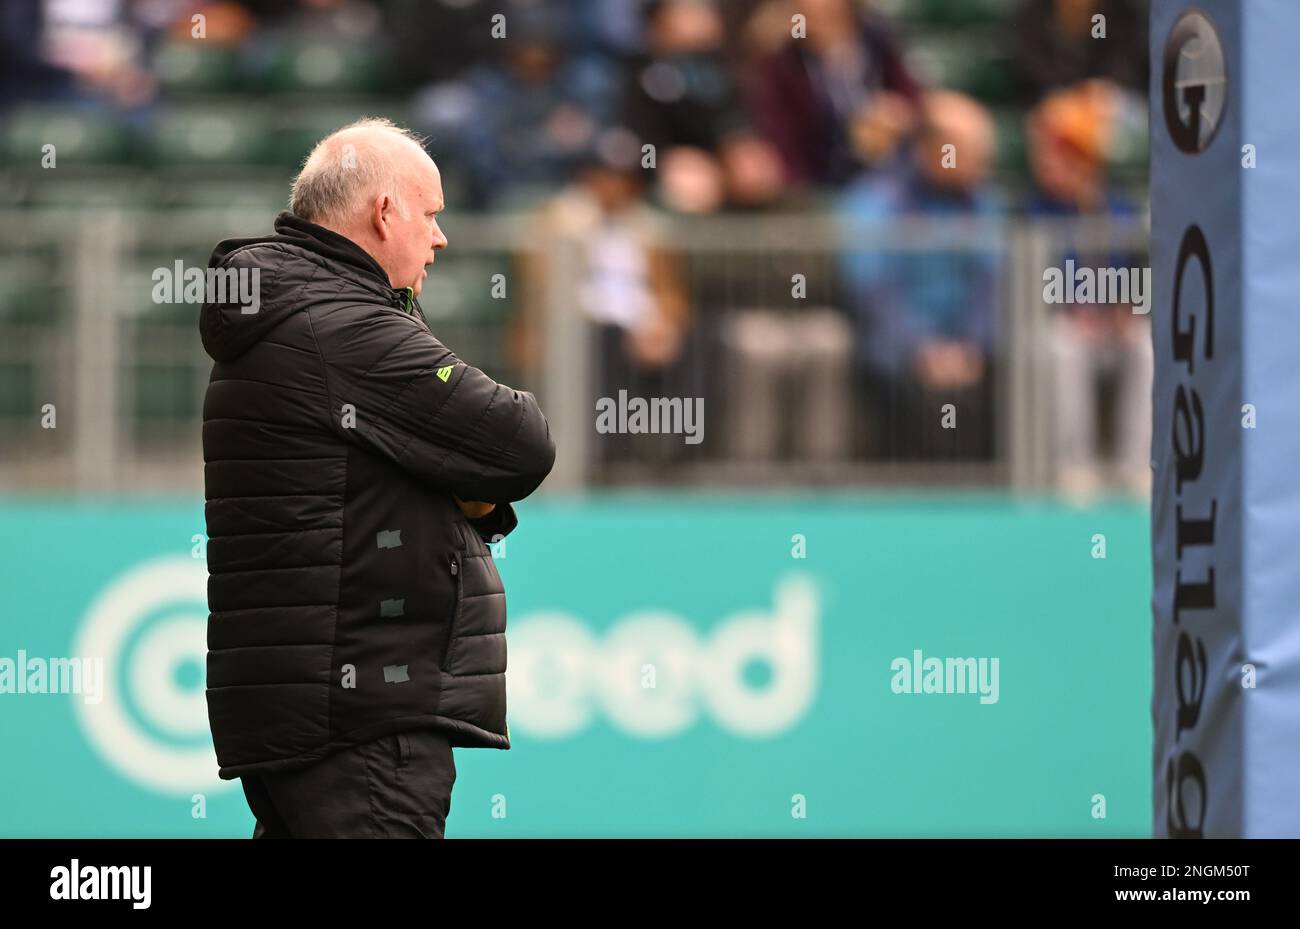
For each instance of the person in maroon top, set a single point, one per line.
(835, 100)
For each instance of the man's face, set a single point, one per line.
(966, 170)
(1063, 172)
(415, 235)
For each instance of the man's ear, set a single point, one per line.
(381, 212)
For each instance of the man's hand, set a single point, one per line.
(949, 364)
(473, 509)
(654, 343)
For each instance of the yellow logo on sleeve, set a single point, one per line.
(444, 373)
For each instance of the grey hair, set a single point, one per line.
(337, 174)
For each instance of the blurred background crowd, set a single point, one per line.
(828, 218)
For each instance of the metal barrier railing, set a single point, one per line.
(125, 377)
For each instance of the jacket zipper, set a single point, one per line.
(455, 611)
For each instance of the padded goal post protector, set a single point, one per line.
(1225, 521)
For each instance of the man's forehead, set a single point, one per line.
(429, 182)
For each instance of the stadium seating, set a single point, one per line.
(81, 136)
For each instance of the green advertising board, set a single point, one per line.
(678, 666)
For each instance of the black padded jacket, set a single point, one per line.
(349, 597)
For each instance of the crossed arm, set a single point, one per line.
(445, 422)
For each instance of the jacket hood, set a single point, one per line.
(275, 276)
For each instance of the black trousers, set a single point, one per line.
(397, 786)
(908, 420)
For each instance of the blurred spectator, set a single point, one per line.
(1052, 45)
(518, 125)
(627, 285)
(89, 52)
(788, 371)
(1068, 135)
(437, 40)
(755, 28)
(612, 27)
(225, 22)
(25, 71)
(832, 101)
(679, 98)
(751, 171)
(926, 316)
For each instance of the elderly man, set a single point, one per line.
(927, 316)
(355, 470)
